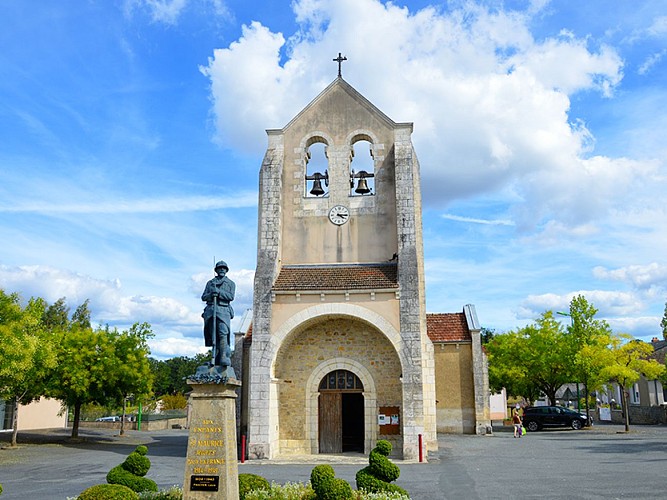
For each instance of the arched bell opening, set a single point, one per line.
(341, 413)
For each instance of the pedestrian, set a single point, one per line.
(516, 421)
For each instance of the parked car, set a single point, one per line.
(108, 419)
(537, 417)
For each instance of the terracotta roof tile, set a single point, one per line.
(447, 327)
(337, 277)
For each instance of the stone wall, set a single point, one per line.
(642, 415)
(299, 357)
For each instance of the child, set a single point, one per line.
(516, 420)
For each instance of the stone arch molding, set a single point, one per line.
(361, 134)
(312, 394)
(314, 137)
(321, 311)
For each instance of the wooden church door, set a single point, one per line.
(341, 413)
(331, 422)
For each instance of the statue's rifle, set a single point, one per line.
(215, 326)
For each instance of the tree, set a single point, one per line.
(100, 365)
(56, 316)
(487, 335)
(504, 369)
(585, 330)
(129, 369)
(81, 372)
(170, 374)
(625, 361)
(26, 351)
(533, 359)
(663, 323)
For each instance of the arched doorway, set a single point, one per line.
(341, 413)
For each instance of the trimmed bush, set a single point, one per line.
(108, 492)
(327, 486)
(250, 482)
(380, 471)
(130, 473)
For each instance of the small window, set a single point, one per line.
(341, 380)
(317, 173)
(362, 169)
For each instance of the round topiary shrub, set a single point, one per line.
(380, 471)
(130, 473)
(108, 492)
(327, 486)
(251, 482)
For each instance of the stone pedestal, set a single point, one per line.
(211, 466)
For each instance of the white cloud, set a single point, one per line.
(659, 27)
(170, 347)
(131, 206)
(170, 11)
(651, 61)
(107, 302)
(640, 277)
(613, 303)
(490, 222)
(489, 101)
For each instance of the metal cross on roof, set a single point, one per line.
(339, 60)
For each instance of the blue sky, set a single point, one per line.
(132, 132)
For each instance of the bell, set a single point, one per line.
(317, 188)
(362, 187)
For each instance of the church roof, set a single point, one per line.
(447, 327)
(337, 277)
(341, 84)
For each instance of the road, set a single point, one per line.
(596, 463)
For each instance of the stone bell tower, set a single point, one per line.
(340, 356)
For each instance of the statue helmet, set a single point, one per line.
(221, 264)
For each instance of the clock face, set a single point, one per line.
(339, 215)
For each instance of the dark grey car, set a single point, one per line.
(537, 417)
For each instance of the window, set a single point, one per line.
(362, 169)
(317, 173)
(341, 380)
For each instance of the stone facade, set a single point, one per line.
(343, 293)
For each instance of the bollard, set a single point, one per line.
(242, 448)
(421, 452)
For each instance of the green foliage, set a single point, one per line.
(301, 491)
(533, 359)
(100, 365)
(663, 323)
(288, 491)
(27, 352)
(250, 482)
(487, 334)
(130, 473)
(625, 360)
(379, 474)
(173, 493)
(0, 489)
(174, 402)
(327, 486)
(170, 374)
(108, 492)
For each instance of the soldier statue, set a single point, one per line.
(218, 313)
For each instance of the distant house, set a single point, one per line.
(651, 392)
(41, 414)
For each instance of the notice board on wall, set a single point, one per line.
(389, 420)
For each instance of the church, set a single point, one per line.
(340, 351)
